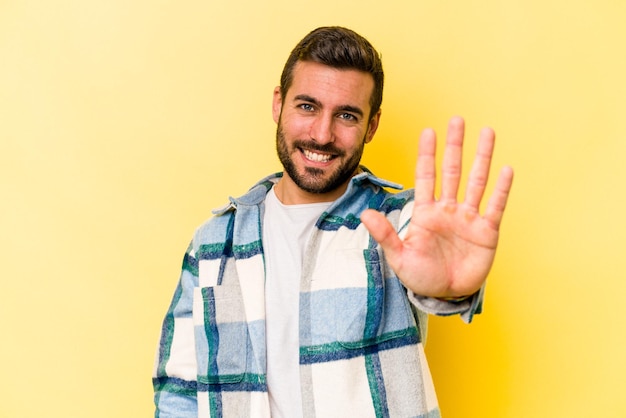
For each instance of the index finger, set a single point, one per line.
(425, 174)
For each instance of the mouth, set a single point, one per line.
(317, 157)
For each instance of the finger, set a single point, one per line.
(425, 174)
(497, 201)
(452, 165)
(477, 181)
(383, 232)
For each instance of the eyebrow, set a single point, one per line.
(344, 108)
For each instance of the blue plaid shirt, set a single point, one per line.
(361, 332)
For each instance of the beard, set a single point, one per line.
(315, 180)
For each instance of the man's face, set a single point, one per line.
(323, 126)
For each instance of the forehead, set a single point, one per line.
(324, 83)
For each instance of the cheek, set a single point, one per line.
(296, 128)
(350, 138)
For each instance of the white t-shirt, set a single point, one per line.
(286, 230)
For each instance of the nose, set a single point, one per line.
(322, 129)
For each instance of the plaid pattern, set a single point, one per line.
(361, 337)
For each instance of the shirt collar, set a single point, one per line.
(256, 194)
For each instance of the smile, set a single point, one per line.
(316, 157)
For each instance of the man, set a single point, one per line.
(308, 295)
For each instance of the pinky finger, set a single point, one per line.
(497, 202)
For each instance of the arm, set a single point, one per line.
(175, 371)
(449, 246)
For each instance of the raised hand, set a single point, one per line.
(449, 246)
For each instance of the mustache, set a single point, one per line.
(314, 146)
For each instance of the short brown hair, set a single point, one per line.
(340, 48)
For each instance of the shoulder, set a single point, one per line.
(396, 201)
(218, 228)
(382, 195)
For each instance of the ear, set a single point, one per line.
(277, 104)
(372, 126)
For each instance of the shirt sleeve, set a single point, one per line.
(175, 370)
(466, 308)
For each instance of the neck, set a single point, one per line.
(290, 194)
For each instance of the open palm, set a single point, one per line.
(449, 246)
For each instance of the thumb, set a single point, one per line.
(382, 231)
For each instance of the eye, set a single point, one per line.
(307, 107)
(348, 116)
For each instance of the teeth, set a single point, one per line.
(313, 156)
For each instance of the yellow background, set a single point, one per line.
(122, 123)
